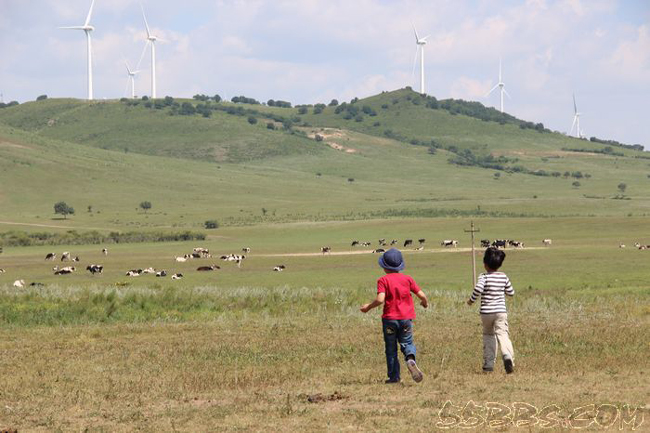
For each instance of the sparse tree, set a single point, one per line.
(576, 184)
(252, 120)
(497, 176)
(622, 187)
(145, 206)
(41, 98)
(333, 103)
(90, 208)
(62, 208)
(211, 224)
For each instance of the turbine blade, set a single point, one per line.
(575, 107)
(127, 67)
(499, 69)
(145, 21)
(72, 28)
(144, 50)
(416, 33)
(573, 124)
(425, 38)
(506, 92)
(90, 12)
(415, 61)
(491, 90)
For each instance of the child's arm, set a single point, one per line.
(423, 298)
(478, 290)
(376, 303)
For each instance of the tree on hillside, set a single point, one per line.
(145, 206)
(42, 97)
(622, 187)
(62, 208)
(576, 184)
(333, 103)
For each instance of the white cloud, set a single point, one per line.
(469, 88)
(631, 59)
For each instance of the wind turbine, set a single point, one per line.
(131, 79)
(502, 87)
(420, 43)
(87, 28)
(576, 119)
(151, 39)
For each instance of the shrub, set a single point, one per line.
(302, 110)
(333, 103)
(41, 98)
(270, 126)
(211, 224)
(252, 120)
(576, 184)
(350, 179)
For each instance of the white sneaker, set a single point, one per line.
(416, 373)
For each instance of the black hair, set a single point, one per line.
(494, 258)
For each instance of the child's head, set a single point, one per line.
(493, 258)
(392, 260)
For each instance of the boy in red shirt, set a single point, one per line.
(394, 291)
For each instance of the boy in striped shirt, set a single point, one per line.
(492, 287)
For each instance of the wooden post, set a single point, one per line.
(473, 230)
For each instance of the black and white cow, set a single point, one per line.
(279, 268)
(162, 273)
(208, 268)
(500, 243)
(177, 276)
(449, 243)
(421, 241)
(354, 243)
(485, 243)
(408, 242)
(134, 273)
(65, 256)
(95, 269)
(105, 251)
(393, 242)
(50, 256)
(516, 244)
(65, 271)
(382, 242)
(379, 250)
(246, 250)
(327, 250)
(547, 242)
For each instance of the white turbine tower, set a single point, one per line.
(151, 39)
(131, 79)
(87, 28)
(502, 87)
(420, 43)
(576, 119)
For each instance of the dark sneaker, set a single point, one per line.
(509, 366)
(416, 373)
(487, 370)
(392, 381)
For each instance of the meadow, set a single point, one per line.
(252, 349)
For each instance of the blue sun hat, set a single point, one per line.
(392, 260)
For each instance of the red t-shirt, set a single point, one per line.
(398, 304)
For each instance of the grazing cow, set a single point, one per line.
(485, 243)
(449, 243)
(393, 242)
(76, 259)
(547, 242)
(65, 256)
(2, 271)
(95, 269)
(422, 241)
(36, 284)
(105, 251)
(500, 243)
(279, 268)
(420, 248)
(621, 245)
(382, 242)
(19, 283)
(365, 244)
(516, 244)
(408, 242)
(65, 271)
(379, 250)
(162, 273)
(325, 250)
(208, 268)
(134, 273)
(50, 256)
(354, 243)
(246, 250)
(177, 276)
(180, 259)
(149, 271)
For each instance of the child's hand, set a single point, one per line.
(424, 303)
(469, 302)
(364, 308)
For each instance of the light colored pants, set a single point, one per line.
(495, 329)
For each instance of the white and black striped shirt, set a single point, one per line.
(492, 288)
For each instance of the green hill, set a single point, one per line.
(396, 157)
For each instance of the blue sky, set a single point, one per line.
(308, 51)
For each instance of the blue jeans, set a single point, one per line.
(397, 331)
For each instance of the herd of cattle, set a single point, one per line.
(93, 269)
(204, 253)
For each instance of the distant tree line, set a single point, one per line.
(8, 104)
(281, 104)
(72, 237)
(244, 100)
(606, 151)
(617, 144)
